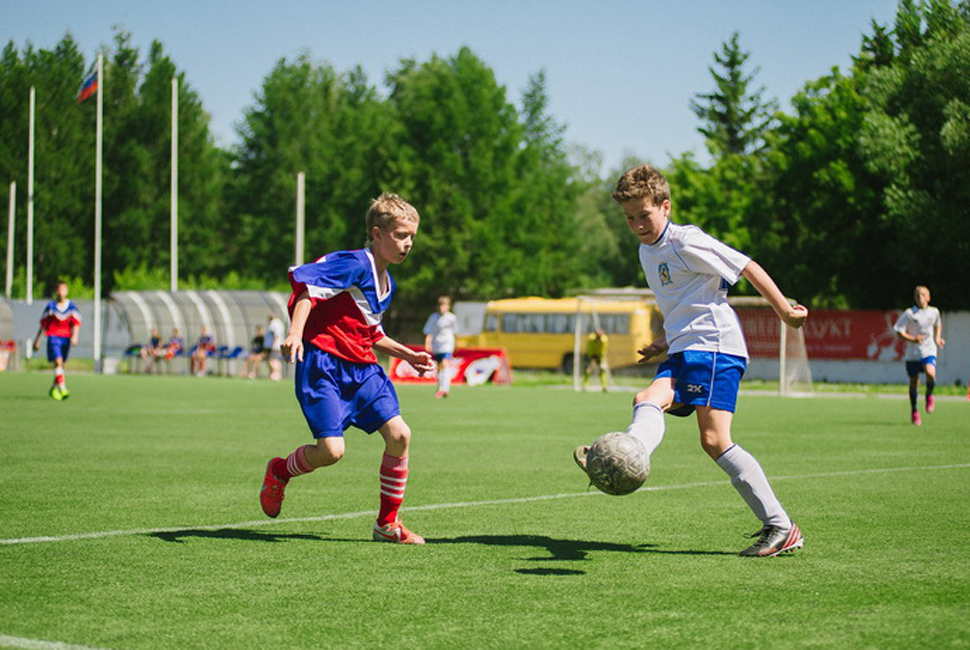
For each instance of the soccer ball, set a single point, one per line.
(617, 463)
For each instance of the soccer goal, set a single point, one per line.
(776, 350)
(628, 318)
(771, 342)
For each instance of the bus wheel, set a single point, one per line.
(567, 364)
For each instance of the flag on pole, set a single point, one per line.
(89, 86)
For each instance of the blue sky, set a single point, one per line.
(620, 73)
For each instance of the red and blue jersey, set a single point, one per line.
(58, 321)
(348, 303)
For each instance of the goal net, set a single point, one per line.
(776, 350)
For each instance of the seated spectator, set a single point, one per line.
(151, 351)
(201, 352)
(174, 345)
(257, 352)
(272, 342)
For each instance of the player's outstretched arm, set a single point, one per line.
(656, 347)
(792, 315)
(292, 346)
(419, 360)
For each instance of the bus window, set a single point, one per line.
(615, 323)
(512, 323)
(532, 323)
(559, 323)
(491, 323)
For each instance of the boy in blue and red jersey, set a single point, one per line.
(335, 311)
(61, 322)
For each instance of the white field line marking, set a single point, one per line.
(37, 644)
(444, 506)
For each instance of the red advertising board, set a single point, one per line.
(472, 366)
(829, 334)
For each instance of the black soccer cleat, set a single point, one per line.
(774, 540)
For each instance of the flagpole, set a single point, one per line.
(175, 184)
(30, 200)
(97, 221)
(11, 230)
(300, 217)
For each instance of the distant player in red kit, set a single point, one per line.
(336, 309)
(61, 322)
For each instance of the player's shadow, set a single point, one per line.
(558, 549)
(563, 549)
(179, 536)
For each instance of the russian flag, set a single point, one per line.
(89, 86)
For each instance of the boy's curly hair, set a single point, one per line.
(642, 181)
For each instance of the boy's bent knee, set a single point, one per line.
(326, 452)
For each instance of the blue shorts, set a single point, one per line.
(704, 378)
(914, 368)
(336, 394)
(58, 347)
(441, 356)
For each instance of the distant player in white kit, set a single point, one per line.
(922, 327)
(439, 340)
(689, 272)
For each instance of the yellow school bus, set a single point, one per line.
(541, 332)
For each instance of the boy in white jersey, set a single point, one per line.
(439, 340)
(922, 327)
(689, 272)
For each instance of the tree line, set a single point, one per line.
(850, 197)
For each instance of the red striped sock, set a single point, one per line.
(59, 377)
(394, 478)
(293, 465)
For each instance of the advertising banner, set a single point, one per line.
(829, 334)
(471, 366)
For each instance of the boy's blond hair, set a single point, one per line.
(386, 209)
(642, 181)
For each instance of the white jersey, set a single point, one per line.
(915, 321)
(689, 272)
(274, 335)
(442, 329)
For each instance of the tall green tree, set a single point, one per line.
(736, 115)
(456, 161)
(137, 167)
(63, 175)
(331, 126)
(915, 139)
(735, 120)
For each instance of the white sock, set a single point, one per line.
(750, 481)
(446, 378)
(647, 425)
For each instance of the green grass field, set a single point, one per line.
(130, 519)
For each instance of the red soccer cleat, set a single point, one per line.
(271, 496)
(396, 533)
(915, 418)
(930, 404)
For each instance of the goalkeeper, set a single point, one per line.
(596, 346)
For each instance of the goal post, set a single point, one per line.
(775, 349)
(770, 341)
(587, 321)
